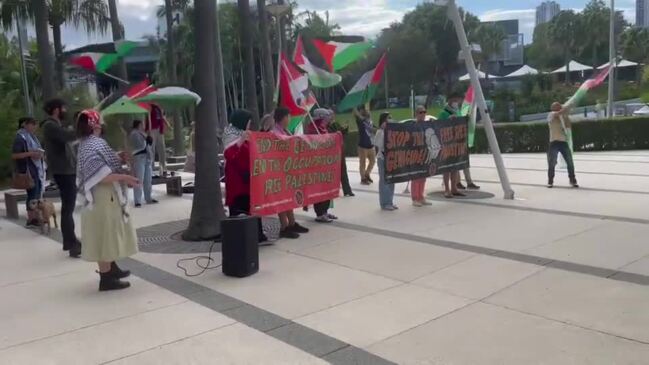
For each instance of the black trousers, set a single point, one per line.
(67, 185)
(344, 178)
(321, 208)
(242, 206)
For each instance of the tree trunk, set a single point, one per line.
(207, 207)
(58, 55)
(179, 138)
(116, 27)
(221, 99)
(45, 59)
(248, 61)
(282, 30)
(235, 91)
(267, 57)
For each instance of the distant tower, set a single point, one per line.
(548, 10)
(642, 13)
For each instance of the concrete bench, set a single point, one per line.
(174, 184)
(12, 198)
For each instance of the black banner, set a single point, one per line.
(415, 150)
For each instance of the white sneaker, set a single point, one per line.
(323, 219)
(426, 202)
(418, 204)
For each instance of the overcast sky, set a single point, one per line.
(363, 17)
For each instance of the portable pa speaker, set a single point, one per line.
(240, 247)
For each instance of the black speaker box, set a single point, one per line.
(240, 246)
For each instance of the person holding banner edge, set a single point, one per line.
(386, 191)
(237, 174)
(321, 119)
(418, 186)
(289, 227)
(451, 179)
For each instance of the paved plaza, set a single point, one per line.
(557, 276)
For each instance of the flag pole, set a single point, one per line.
(115, 78)
(454, 15)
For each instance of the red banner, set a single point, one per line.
(292, 172)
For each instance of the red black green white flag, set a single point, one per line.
(295, 94)
(365, 89)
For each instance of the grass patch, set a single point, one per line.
(397, 114)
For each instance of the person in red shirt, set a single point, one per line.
(289, 227)
(237, 174)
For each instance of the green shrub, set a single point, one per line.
(592, 135)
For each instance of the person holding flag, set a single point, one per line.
(559, 124)
(451, 179)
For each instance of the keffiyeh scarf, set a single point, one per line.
(34, 145)
(96, 160)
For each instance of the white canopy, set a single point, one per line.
(481, 75)
(574, 67)
(525, 70)
(642, 111)
(622, 63)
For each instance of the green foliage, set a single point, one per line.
(635, 44)
(593, 135)
(490, 37)
(311, 24)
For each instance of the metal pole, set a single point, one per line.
(613, 62)
(23, 69)
(454, 15)
(279, 58)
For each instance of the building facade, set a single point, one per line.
(547, 11)
(642, 13)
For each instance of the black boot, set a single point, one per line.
(110, 282)
(117, 272)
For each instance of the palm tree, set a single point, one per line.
(45, 58)
(172, 76)
(248, 60)
(221, 100)
(89, 13)
(118, 34)
(267, 57)
(490, 37)
(207, 208)
(564, 31)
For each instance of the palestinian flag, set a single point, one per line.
(587, 86)
(469, 109)
(102, 62)
(340, 52)
(294, 92)
(365, 89)
(140, 89)
(318, 76)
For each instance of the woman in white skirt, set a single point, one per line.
(106, 227)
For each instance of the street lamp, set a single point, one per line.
(277, 10)
(612, 62)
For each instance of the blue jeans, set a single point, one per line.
(555, 148)
(143, 171)
(386, 191)
(36, 192)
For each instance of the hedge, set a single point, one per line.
(588, 135)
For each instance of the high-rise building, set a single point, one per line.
(642, 13)
(548, 10)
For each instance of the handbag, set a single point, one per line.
(22, 181)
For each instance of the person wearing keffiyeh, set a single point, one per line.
(106, 227)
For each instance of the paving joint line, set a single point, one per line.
(161, 276)
(590, 270)
(531, 209)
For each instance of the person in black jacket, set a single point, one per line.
(62, 165)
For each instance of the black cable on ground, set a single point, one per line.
(197, 261)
